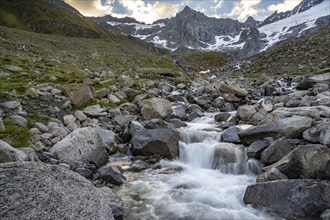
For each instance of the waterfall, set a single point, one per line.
(210, 183)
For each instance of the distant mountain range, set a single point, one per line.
(195, 31)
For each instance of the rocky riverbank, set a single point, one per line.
(283, 124)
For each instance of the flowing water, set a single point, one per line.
(207, 182)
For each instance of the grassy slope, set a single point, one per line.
(301, 56)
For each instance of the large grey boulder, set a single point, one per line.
(41, 191)
(309, 82)
(283, 128)
(155, 108)
(151, 142)
(10, 154)
(291, 199)
(245, 112)
(306, 161)
(83, 144)
(79, 94)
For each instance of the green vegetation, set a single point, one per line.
(15, 135)
(198, 61)
(36, 72)
(33, 118)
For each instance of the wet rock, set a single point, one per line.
(306, 161)
(10, 154)
(41, 191)
(179, 111)
(278, 149)
(150, 142)
(138, 166)
(291, 199)
(109, 175)
(283, 128)
(83, 144)
(222, 116)
(177, 123)
(155, 108)
(257, 147)
(245, 112)
(270, 175)
(231, 135)
(79, 94)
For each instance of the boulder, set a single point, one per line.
(306, 161)
(95, 111)
(291, 199)
(283, 128)
(309, 82)
(229, 88)
(19, 120)
(325, 135)
(151, 142)
(79, 94)
(245, 112)
(155, 108)
(109, 175)
(270, 175)
(257, 147)
(231, 135)
(222, 116)
(219, 102)
(41, 191)
(10, 154)
(83, 144)
(312, 135)
(278, 149)
(308, 111)
(10, 104)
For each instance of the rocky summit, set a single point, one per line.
(96, 124)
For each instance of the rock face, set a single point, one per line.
(39, 191)
(288, 128)
(150, 142)
(291, 198)
(83, 144)
(155, 108)
(79, 94)
(10, 154)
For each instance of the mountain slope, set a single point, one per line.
(194, 30)
(39, 16)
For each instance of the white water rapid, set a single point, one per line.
(207, 182)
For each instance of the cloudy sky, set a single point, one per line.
(148, 11)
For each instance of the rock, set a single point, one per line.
(41, 191)
(138, 166)
(325, 135)
(284, 128)
(102, 92)
(79, 94)
(115, 203)
(229, 88)
(113, 99)
(111, 176)
(231, 97)
(125, 80)
(313, 111)
(83, 144)
(67, 119)
(325, 215)
(59, 131)
(14, 68)
(177, 123)
(309, 82)
(291, 199)
(222, 116)
(10, 154)
(130, 107)
(245, 112)
(219, 102)
(95, 111)
(306, 162)
(19, 120)
(31, 154)
(257, 147)
(155, 108)
(312, 135)
(4, 74)
(120, 95)
(2, 126)
(231, 135)
(41, 127)
(278, 149)
(270, 175)
(10, 104)
(80, 115)
(151, 142)
(108, 139)
(179, 111)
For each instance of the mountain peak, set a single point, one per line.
(187, 8)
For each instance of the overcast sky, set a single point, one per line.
(149, 11)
